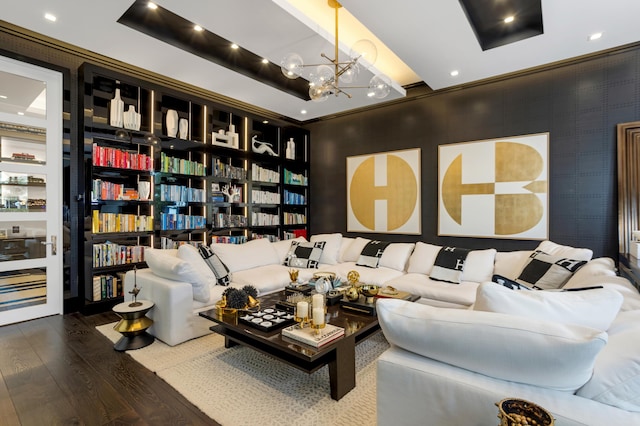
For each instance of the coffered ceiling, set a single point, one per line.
(418, 41)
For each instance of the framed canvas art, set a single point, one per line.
(495, 188)
(383, 192)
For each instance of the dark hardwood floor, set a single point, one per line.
(61, 371)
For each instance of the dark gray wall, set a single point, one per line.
(578, 104)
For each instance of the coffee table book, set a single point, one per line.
(308, 335)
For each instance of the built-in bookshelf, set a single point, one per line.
(178, 169)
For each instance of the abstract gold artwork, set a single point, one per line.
(383, 192)
(495, 188)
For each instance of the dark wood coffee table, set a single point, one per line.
(339, 355)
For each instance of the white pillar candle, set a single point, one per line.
(317, 300)
(302, 310)
(318, 316)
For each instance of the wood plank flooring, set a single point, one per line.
(60, 371)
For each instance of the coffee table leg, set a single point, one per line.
(342, 370)
(228, 343)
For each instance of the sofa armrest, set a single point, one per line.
(172, 314)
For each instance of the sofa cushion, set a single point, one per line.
(331, 247)
(509, 264)
(547, 272)
(371, 253)
(352, 252)
(602, 266)
(616, 374)
(215, 265)
(478, 267)
(444, 294)
(304, 255)
(449, 264)
(423, 257)
(565, 251)
(269, 278)
(396, 256)
(282, 248)
(166, 264)
(596, 308)
(377, 276)
(344, 246)
(513, 348)
(251, 254)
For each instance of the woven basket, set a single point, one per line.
(513, 411)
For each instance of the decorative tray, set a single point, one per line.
(267, 319)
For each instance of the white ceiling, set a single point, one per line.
(431, 37)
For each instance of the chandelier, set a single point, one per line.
(326, 80)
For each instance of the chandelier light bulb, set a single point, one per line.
(364, 52)
(351, 74)
(379, 86)
(319, 93)
(292, 65)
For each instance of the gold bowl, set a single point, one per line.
(369, 291)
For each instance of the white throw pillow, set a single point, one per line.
(344, 246)
(396, 256)
(596, 308)
(565, 251)
(174, 268)
(239, 257)
(540, 353)
(509, 263)
(602, 266)
(331, 248)
(478, 267)
(423, 257)
(352, 253)
(616, 374)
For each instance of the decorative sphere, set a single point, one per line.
(353, 277)
(291, 66)
(350, 75)
(318, 93)
(322, 75)
(352, 293)
(379, 86)
(365, 52)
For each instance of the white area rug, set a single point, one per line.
(240, 386)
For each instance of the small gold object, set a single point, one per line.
(369, 291)
(518, 411)
(352, 293)
(353, 277)
(293, 275)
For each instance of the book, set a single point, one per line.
(309, 336)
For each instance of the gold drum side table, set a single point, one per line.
(133, 325)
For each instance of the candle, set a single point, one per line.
(318, 301)
(302, 310)
(318, 316)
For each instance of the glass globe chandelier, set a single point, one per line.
(326, 79)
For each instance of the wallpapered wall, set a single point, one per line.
(578, 104)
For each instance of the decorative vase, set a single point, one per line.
(291, 150)
(131, 119)
(116, 110)
(144, 190)
(183, 128)
(171, 120)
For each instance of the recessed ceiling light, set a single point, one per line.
(3, 96)
(304, 111)
(50, 17)
(454, 73)
(197, 28)
(265, 61)
(595, 36)
(265, 121)
(234, 46)
(152, 5)
(20, 113)
(509, 19)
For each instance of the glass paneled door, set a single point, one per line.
(30, 192)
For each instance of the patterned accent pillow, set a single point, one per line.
(506, 282)
(371, 253)
(548, 272)
(304, 255)
(219, 269)
(449, 265)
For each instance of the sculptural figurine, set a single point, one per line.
(261, 147)
(233, 194)
(135, 290)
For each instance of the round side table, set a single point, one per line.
(133, 325)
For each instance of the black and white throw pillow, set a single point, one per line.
(304, 255)
(371, 253)
(449, 264)
(513, 285)
(548, 272)
(214, 263)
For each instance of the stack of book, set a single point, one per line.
(308, 335)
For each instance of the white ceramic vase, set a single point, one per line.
(144, 190)
(116, 110)
(171, 120)
(131, 119)
(183, 128)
